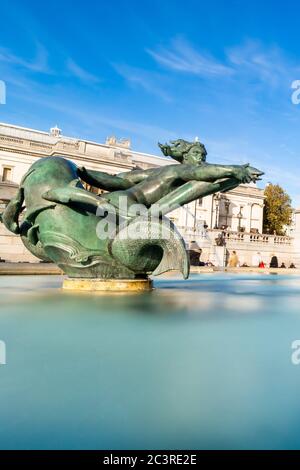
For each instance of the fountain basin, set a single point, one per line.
(199, 364)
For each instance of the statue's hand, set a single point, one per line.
(164, 148)
(162, 145)
(247, 173)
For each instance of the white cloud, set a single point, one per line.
(80, 73)
(38, 64)
(182, 57)
(267, 64)
(91, 118)
(149, 81)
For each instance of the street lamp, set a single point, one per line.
(227, 205)
(240, 216)
(217, 198)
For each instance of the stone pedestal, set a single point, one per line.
(108, 285)
(219, 256)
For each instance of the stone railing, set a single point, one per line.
(257, 238)
(232, 238)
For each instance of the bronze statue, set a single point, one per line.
(58, 219)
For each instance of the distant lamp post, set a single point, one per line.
(195, 215)
(227, 205)
(217, 198)
(240, 216)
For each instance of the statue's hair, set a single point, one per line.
(180, 149)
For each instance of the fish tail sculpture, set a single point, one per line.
(158, 248)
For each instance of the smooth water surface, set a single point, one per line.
(203, 363)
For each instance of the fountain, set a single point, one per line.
(206, 363)
(116, 240)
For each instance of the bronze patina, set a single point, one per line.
(58, 219)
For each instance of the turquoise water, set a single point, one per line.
(203, 363)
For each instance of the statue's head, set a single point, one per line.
(196, 154)
(193, 153)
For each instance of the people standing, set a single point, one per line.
(233, 260)
(256, 260)
(195, 254)
(274, 262)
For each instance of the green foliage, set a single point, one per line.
(277, 210)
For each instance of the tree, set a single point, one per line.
(277, 210)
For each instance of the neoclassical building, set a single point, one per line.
(239, 211)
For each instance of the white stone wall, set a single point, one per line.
(12, 248)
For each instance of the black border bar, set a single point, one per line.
(136, 458)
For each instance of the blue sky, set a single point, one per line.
(156, 70)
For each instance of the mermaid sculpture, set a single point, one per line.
(123, 233)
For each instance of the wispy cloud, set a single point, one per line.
(91, 118)
(268, 64)
(254, 60)
(183, 57)
(149, 81)
(80, 73)
(38, 64)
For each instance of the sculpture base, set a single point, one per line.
(108, 285)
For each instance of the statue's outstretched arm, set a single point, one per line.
(210, 173)
(103, 180)
(189, 192)
(206, 180)
(136, 176)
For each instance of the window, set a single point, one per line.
(200, 202)
(7, 174)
